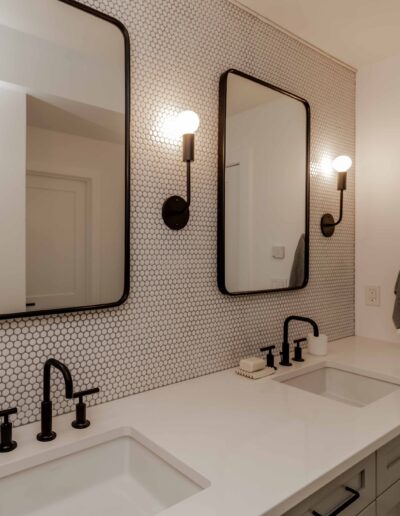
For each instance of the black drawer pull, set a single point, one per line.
(347, 503)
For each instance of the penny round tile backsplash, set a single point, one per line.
(176, 325)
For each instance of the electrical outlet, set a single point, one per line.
(373, 296)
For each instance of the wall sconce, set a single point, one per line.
(341, 164)
(175, 210)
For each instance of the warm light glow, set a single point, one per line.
(342, 163)
(169, 129)
(187, 122)
(325, 166)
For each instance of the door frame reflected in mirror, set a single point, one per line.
(221, 254)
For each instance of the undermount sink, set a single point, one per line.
(116, 477)
(332, 382)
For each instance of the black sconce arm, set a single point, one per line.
(188, 156)
(175, 211)
(328, 223)
(188, 184)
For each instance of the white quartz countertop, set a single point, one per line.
(256, 446)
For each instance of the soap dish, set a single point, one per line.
(255, 375)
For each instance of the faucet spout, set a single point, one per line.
(298, 318)
(47, 433)
(285, 345)
(69, 389)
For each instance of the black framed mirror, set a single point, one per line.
(263, 187)
(65, 146)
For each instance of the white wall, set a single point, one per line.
(12, 201)
(378, 195)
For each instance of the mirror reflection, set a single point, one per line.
(62, 142)
(264, 175)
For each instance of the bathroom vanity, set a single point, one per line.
(226, 445)
(370, 488)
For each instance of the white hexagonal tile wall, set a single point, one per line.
(176, 325)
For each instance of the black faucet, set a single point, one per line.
(285, 345)
(47, 433)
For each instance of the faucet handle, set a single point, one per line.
(6, 442)
(298, 351)
(81, 421)
(8, 412)
(88, 392)
(270, 356)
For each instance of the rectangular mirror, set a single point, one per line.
(64, 146)
(263, 187)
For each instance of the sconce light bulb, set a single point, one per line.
(342, 163)
(187, 122)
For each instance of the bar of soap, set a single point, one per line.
(252, 364)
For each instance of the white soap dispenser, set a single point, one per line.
(317, 345)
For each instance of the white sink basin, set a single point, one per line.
(340, 385)
(119, 477)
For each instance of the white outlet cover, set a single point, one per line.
(373, 295)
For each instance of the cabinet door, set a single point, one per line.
(350, 493)
(369, 511)
(388, 465)
(388, 504)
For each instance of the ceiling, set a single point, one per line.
(357, 32)
(66, 116)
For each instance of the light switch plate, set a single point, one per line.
(278, 251)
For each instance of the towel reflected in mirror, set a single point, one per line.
(298, 267)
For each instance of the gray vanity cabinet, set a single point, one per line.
(388, 504)
(388, 465)
(376, 479)
(361, 478)
(369, 511)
